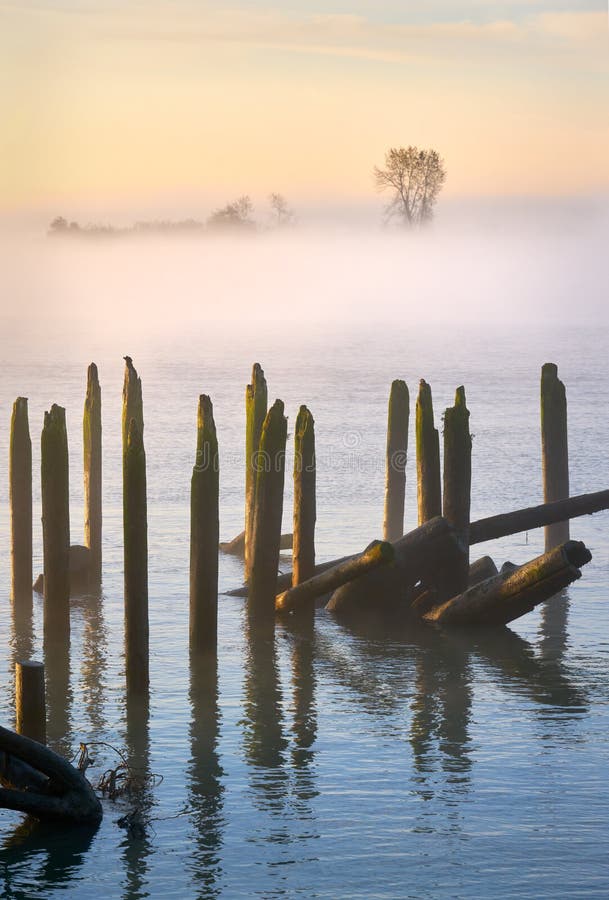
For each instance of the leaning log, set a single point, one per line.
(20, 499)
(537, 516)
(62, 795)
(508, 596)
(395, 462)
(554, 449)
(379, 554)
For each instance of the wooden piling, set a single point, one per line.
(303, 550)
(429, 492)
(554, 449)
(92, 452)
(135, 528)
(55, 523)
(256, 401)
(458, 480)
(267, 514)
(397, 450)
(20, 494)
(30, 705)
(204, 532)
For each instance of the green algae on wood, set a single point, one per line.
(256, 401)
(92, 453)
(303, 550)
(55, 523)
(135, 525)
(458, 480)
(20, 499)
(204, 532)
(554, 449)
(429, 492)
(397, 450)
(268, 514)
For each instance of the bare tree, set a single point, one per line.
(415, 177)
(237, 214)
(281, 213)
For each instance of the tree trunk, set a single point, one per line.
(508, 596)
(379, 554)
(268, 514)
(429, 492)
(554, 449)
(397, 451)
(256, 400)
(537, 516)
(303, 550)
(457, 482)
(92, 447)
(20, 491)
(204, 533)
(55, 524)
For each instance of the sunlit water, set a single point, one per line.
(353, 762)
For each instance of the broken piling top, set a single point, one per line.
(429, 491)
(132, 400)
(92, 460)
(554, 448)
(397, 450)
(256, 403)
(305, 514)
(204, 532)
(55, 521)
(20, 501)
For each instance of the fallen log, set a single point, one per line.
(537, 516)
(427, 554)
(512, 594)
(284, 579)
(64, 795)
(378, 554)
(481, 569)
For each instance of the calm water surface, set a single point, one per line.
(371, 762)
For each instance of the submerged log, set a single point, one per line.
(55, 523)
(379, 554)
(92, 453)
(256, 402)
(20, 498)
(424, 558)
(395, 464)
(537, 516)
(554, 449)
(429, 491)
(61, 793)
(303, 551)
(204, 530)
(512, 594)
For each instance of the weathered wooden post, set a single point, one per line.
(429, 490)
(92, 451)
(303, 548)
(135, 526)
(55, 524)
(397, 450)
(256, 401)
(20, 491)
(204, 532)
(268, 513)
(554, 449)
(458, 481)
(30, 704)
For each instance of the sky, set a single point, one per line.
(171, 107)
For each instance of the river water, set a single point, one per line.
(349, 762)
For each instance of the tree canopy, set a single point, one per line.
(415, 178)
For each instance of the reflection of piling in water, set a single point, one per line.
(20, 499)
(135, 525)
(554, 634)
(204, 533)
(94, 662)
(303, 546)
(429, 492)
(457, 483)
(58, 696)
(302, 633)
(43, 848)
(263, 741)
(554, 449)
(22, 635)
(256, 400)
(136, 845)
(30, 704)
(55, 524)
(397, 449)
(92, 453)
(205, 773)
(267, 515)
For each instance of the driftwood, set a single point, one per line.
(537, 516)
(512, 594)
(481, 569)
(427, 555)
(379, 554)
(42, 784)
